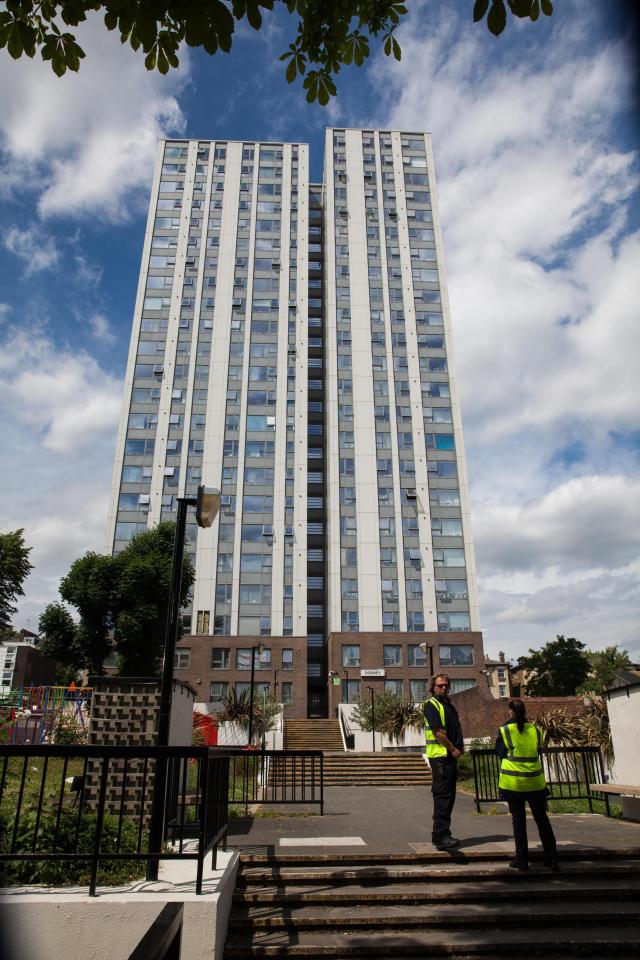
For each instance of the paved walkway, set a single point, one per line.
(385, 820)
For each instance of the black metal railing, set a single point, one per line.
(276, 777)
(89, 808)
(569, 771)
(163, 939)
(347, 732)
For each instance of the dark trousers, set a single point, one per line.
(538, 806)
(444, 772)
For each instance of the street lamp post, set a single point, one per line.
(373, 718)
(426, 647)
(260, 650)
(207, 504)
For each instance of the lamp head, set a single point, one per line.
(207, 506)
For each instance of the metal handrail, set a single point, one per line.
(107, 817)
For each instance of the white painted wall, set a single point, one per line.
(624, 717)
(363, 741)
(74, 926)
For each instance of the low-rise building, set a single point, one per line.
(214, 666)
(401, 663)
(498, 676)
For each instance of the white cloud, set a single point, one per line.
(63, 398)
(37, 250)
(86, 140)
(101, 328)
(535, 195)
(586, 523)
(60, 414)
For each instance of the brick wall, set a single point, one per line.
(372, 657)
(481, 714)
(200, 674)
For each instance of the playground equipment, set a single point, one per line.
(30, 714)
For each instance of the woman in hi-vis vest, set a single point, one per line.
(522, 781)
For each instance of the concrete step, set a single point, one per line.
(442, 915)
(442, 873)
(555, 887)
(532, 941)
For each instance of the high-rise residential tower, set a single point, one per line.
(291, 345)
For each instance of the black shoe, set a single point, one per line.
(552, 864)
(520, 865)
(447, 843)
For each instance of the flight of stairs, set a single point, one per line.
(409, 905)
(369, 769)
(312, 735)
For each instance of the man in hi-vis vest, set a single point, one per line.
(444, 743)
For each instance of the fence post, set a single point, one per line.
(99, 822)
(204, 815)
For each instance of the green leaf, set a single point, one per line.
(291, 71)
(387, 45)
(479, 9)
(535, 10)
(397, 52)
(497, 19)
(110, 20)
(14, 45)
(547, 7)
(58, 63)
(150, 59)
(520, 8)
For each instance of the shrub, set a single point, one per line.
(68, 730)
(61, 873)
(393, 715)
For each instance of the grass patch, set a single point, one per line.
(264, 813)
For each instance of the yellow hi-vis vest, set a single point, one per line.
(521, 769)
(434, 749)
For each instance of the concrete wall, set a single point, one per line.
(624, 717)
(363, 741)
(74, 926)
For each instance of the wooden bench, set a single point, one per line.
(616, 789)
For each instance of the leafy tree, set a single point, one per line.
(328, 34)
(59, 636)
(140, 599)
(605, 666)
(14, 569)
(122, 603)
(557, 670)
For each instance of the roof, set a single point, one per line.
(624, 680)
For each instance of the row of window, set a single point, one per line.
(449, 655)
(221, 659)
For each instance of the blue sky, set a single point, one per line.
(536, 144)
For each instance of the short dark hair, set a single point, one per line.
(437, 676)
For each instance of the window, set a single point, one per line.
(453, 621)
(243, 659)
(350, 691)
(392, 655)
(182, 658)
(457, 686)
(417, 657)
(456, 655)
(351, 656)
(218, 691)
(393, 686)
(220, 658)
(418, 690)
(287, 692)
(287, 659)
